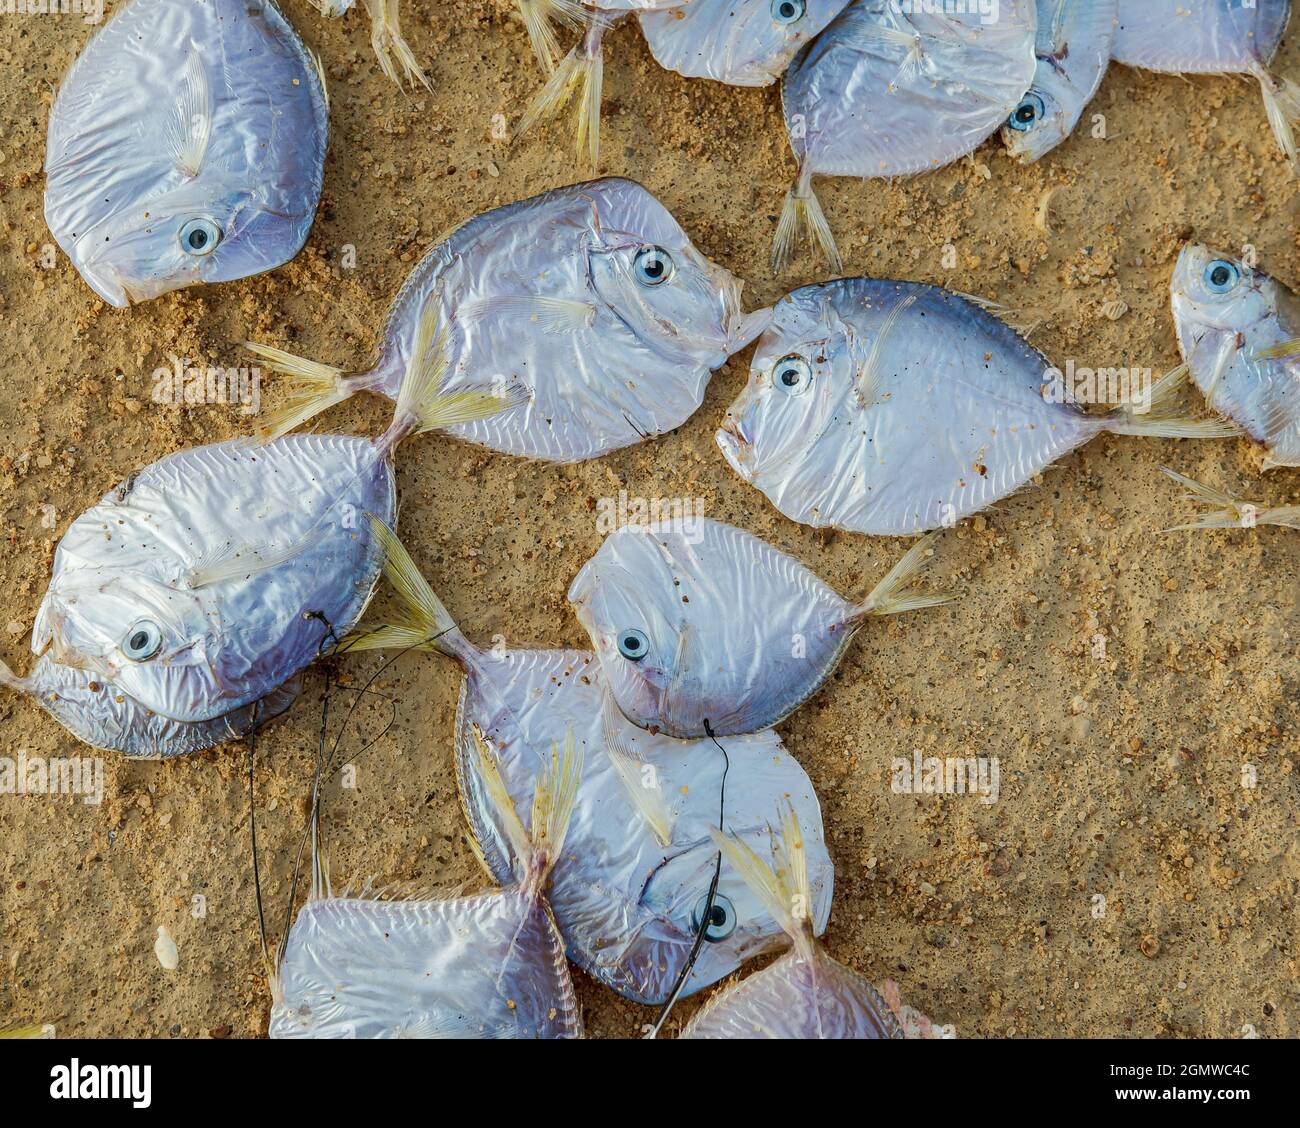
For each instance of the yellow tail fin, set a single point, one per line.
(316, 388)
(802, 213)
(894, 594)
(1227, 512)
(581, 74)
(1282, 104)
(539, 17)
(386, 38)
(1162, 420)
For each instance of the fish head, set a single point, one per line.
(154, 642)
(1043, 119)
(800, 371)
(204, 231)
(1212, 291)
(643, 267)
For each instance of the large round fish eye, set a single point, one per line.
(652, 266)
(142, 641)
(788, 11)
(1221, 276)
(722, 918)
(1028, 114)
(633, 645)
(792, 375)
(200, 237)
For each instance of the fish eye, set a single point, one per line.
(1028, 114)
(653, 266)
(722, 918)
(792, 374)
(633, 645)
(788, 11)
(142, 641)
(200, 237)
(1221, 276)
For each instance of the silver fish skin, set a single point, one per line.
(490, 965)
(893, 88)
(589, 303)
(635, 876)
(186, 587)
(891, 408)
(702, 628)
(1228, 316)
(1074, 43)
(1215, 37)
(805, 994)
(186, 146)
(738, 42)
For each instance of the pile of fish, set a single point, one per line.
(671, 837)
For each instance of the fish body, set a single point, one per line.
(702, 628)
(590, 302)
(186, 146)
(629, 890)
(893, 88)
(1239, 333)
(1074, 43)
(485, 966)
(1209, 37)
(891, 408)
(738, 42)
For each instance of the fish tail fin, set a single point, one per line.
(426, 624)
(10, 680)
(422, 405)
(39, 1030)
(388, 42)
(1282, 104)
(1158, 418)
(1223, 511)
(580, 75)
(539, 18)
(802, 213)
(895, 593)
(553, 800)
(782, 885)
(317, 387)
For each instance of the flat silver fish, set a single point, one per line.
(588, 304)
(1221, 510)
(487, 966)
(1214, 37)
(186, 146)
(1239, 332)
(891, 408)
(701, 628)
(805, 994)
(580, 75)
(1074, 44)
(896, 87)
(205, 582)
(630, 889)
(739, 42)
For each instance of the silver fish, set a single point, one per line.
(1221, 510)
(1074, 43)
(199, 587)
(486, 966)
(396, 59)
(739, 42)
(1214, 37)
(633, 882)
(805, 994)
(702, 628)
(186, 146)
(894, 407)
(1239, 332)
(896, 87)
(588, 304)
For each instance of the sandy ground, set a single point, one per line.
(1121, 774)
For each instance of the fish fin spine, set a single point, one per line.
(1223, 511)
(539, 18)
(895, 594)
(1158, 418)
(388, 42)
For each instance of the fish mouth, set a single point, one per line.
(737, 446)
(104, 281)
(745, 328)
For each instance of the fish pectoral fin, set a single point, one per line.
(1282, 104)
(191, 125)
(550, 315)
(1283, 350)
(247, 559)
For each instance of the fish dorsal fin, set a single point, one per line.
(248, 559)
(191, 124)
(647, 799)
(869, 376)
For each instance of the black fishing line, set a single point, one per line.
(706, 917)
